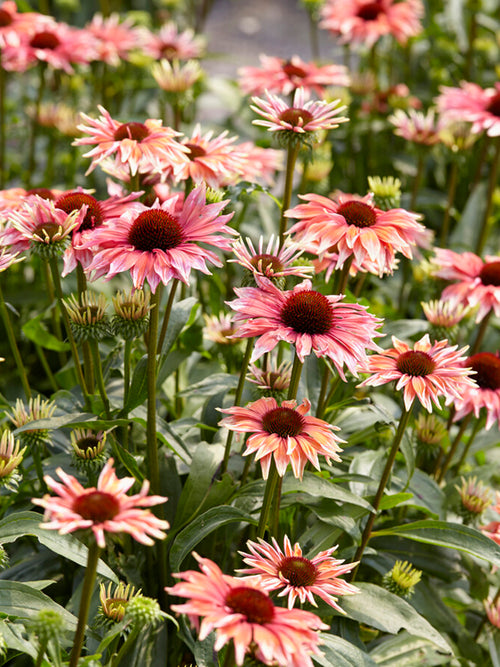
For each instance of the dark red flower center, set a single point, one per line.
(155, 230)
(46, 229)
(494, 105)
(45, 40)
(490, 274)
(136, 131)
(370, 11)
(487, 367)
(298, 571)
(73, 201)
(308, 313)
(255, 605)
(98, 506)
(168, 51)
(296, 117)
(85, 444)
(415, 362)
(195, 151)
(357, 213)
(292, 70)
(284, 422)
(264, 262)
(5, 18)
(44, 193)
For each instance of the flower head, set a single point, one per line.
(10, 458)
(158, 243)
(87, 316)
(475, 498)
(473, 104)
(273, 381)
(427, 372)
(220, 329)
(172, 44)
(131, 318)
(114, 38)
(103, 509)
(402, 579)
(486, 393)
(88, 449)
(416, 126)
(492, 609)
(23, 414)
(176, 77)
(242, 612)
(115, 602)
(284, 431)
(307, 319)
(297, 576)
(386, 191)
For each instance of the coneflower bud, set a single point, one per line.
(114, 604)
(88, 317)
(402, 579)
(144, 611)
(131, 318)
(475, 498)
(47, 625)
(386, 191)
(89, 453)
(36, 409)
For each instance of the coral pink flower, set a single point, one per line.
(158, 243)
(104, 509)
(353, 226)
(492, 530)
(281, 76)
(241, 612)
(7, 259)
(487, 393)
(299, 577)
(171, 44)
(300, 117)
(271, 261)
(492, 609)
(259, 164)
(143, 147)
(366, 21)
(284, 431)
(477, 282)
(472, 104)
(307, 319)
(115, 39)
(417, 126)
(427, 372)
(14, 23)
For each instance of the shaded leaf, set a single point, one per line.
(341, 653)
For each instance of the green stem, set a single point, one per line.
(34, 125)
(291, 158)
(452, 188)
(41, 653)
(453, 447)
(403, 423)
(126, 646)
(295, 378)
(13, 346)
(152, 448)
(166, 315)
(492, 182)
(344, 275)
(127, 355)
(477, 427)
(87, 590)
(88, 367)
(483, 325)
(229, 660)
(237, 399)
(322, 393)
(96, 357)
(37, 458)
(43, 360)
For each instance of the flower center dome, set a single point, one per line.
(357, 213)
(293, 71)
(256, 606)
(296, 117)
(155, 230)
(195, 151)
(370, 11)
(284, 422)
(5, 18)
(265, 263)
(416, 363)
(98, 506)
(45, 40)
(88, 443)
(73, 201)
(44, 193)
(490, 274)
(135, 131)
(494, 105)
(298, 571)
(487, 367)
(308, 312)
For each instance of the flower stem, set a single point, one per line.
(88, 367)
(295, 378)
(403, 423)
(453, 448)
(291, 158)
(344, 275)
(127, 354)
(87, 590)
(477, 427)
(166, 315)
(41, 653)
(237, 399)
(152, 450)
(452, 188)
(271, 484)
(96, 357)
(13, 346)
(483, 235)
(34, 125)
(483, 325)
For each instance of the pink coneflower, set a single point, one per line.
(300, 117)
(219, 329)
(307, 319)
(212, 160)
(8, 258)
(259, 164)
(158, 243)
(492, 530)
(281, 76)
(115, 38)
(353, 226)
(477, 282)
(299, 577)
(445, 314)
(284, 431)
(473, 104)
(14, 23)
(274, 379)
(172, 44)
(273, 261)
(104, 509)
(142, 147)
(492, 609)
(417, 126)
(176, 77)
(487, 393)
(243, 613)
(365, 21)
(427, 372)
(15, 198)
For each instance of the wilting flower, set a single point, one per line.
(104, 509)
(475, 498)
(473, 104)
(172, 44)
(402, 579)
(157, 243)
(365, 21)
(297, 576)
(241, 612)
(352, 226)
(115, 38)
(114, 603)
(284, 431)
(176, 77)
(220, 329)
(22, 414)
(307, 319)
(487, 392)
(142, 147)
(10, 458)
(416, 126)
(302, 117)
(131, 318)
(427, 372)
(477, 282)
(281, 76)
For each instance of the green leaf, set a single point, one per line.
(28, 523)
(138, 386)
(214, 518)
(393, 500)
(446, 534)
(12, 635)
(22, 601)
(341, 653)
(183, 313)
(387, 612)
(57, 422)
(407, 651)
(37, 332)
(318, 486)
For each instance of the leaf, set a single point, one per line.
(407, 651)
(138, 391)
(465, 235)
(318, 486)
(341, 653)
(387, 612)
(182, 313)
(36, 331)
(12, 635)
(28, 523)
(57, 422)
(214, 518)
(393, 500)
(22, 601)
(447, 534)
(426, 493)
